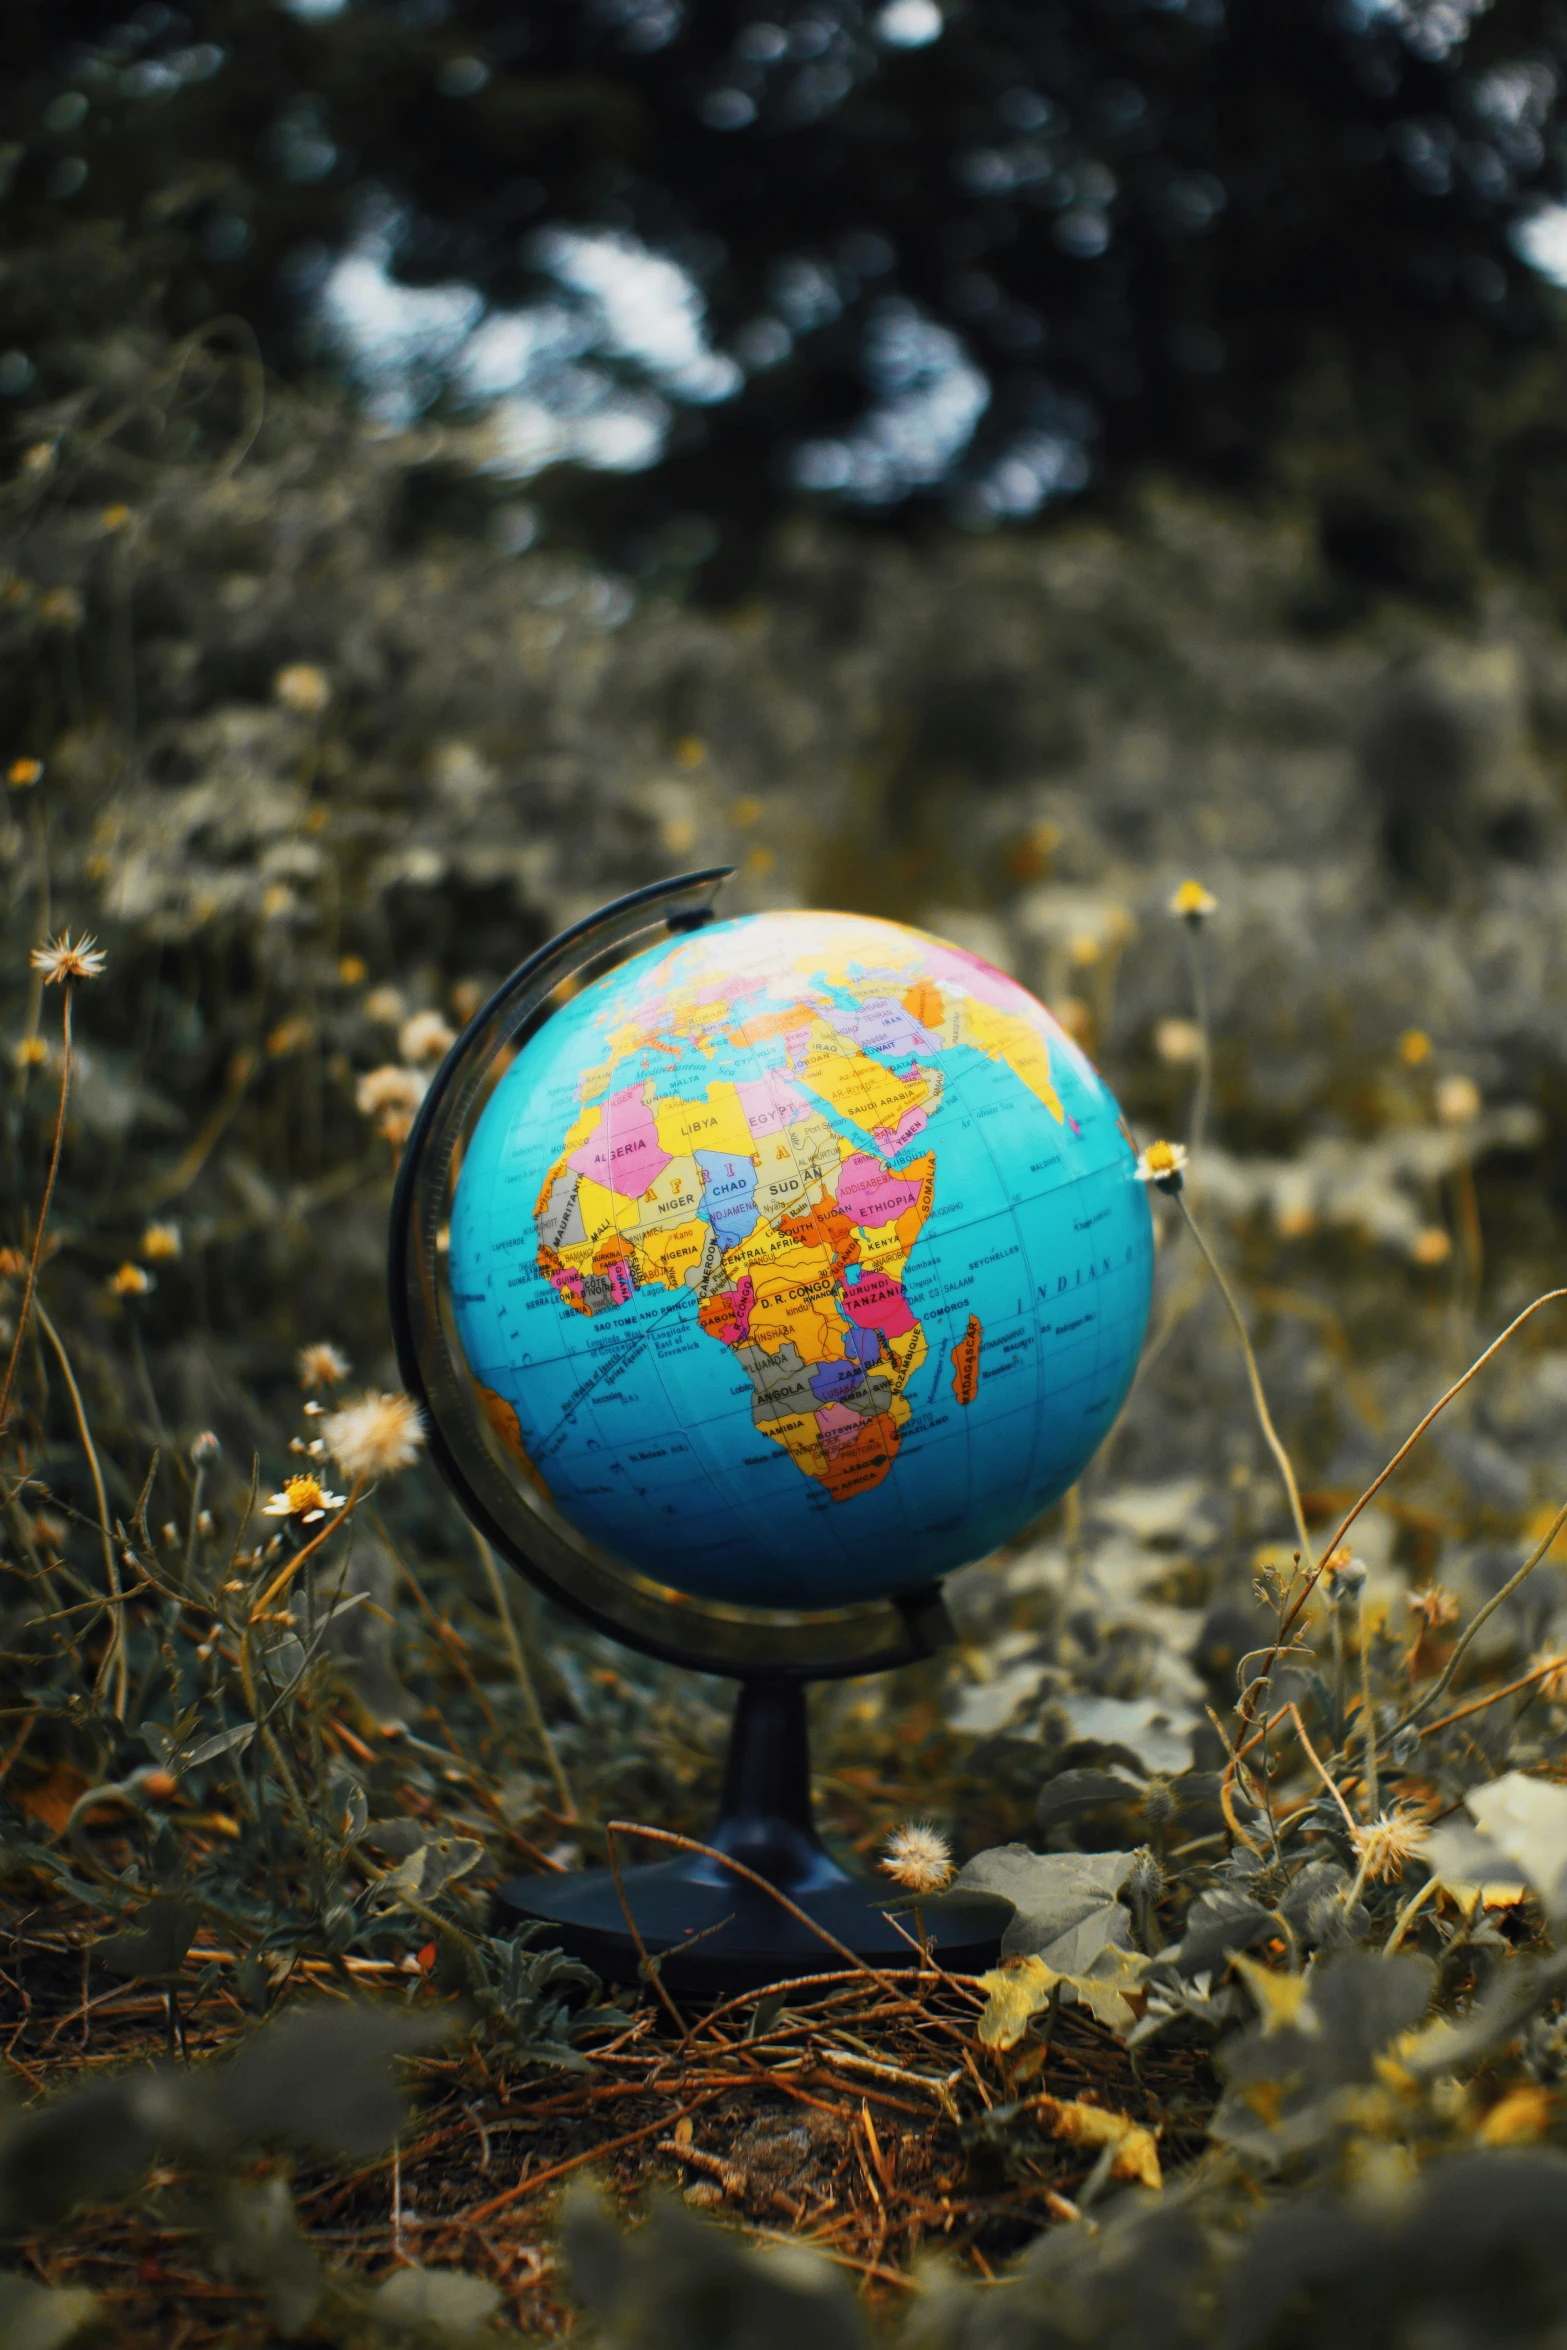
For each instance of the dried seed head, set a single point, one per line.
(376, 1436)
(302, 688)
(1343, 1578)
(1393, 1839)
(425, 1037)
(322, 1365)
(388, 1088)
(1434, 1607)
(64, 960)
(918, 1858)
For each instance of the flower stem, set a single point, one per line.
(36, 1257)
(1259, 1400)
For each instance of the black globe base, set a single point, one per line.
(711, 1930)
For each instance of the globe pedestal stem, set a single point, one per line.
(711, 1930)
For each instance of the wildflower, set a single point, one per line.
(62, 607)
(302, 688)
(425, 1037)
(287, 1038)
(304, 1498)
(22, 774)
(114, 517)
(1431, 1246)
(375, 1436)
(918, 1858)
(385, 1005)
(130, 1281)
(1178, 1043)
(1393, 1838)
(322, 1365)
(388, 1088)
(1457, 1101)
(13, 1264)
(351, 971)
(1343, 1579)
(160, 1243)
(467, 996)
(205, 1449)
(65, 959)
(276, 901)
(1163, 1164)
(1434, 1607)
(1192, 903)
(30, 1052)
(1414, 1046)
(39, 458)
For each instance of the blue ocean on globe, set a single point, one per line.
(800, 1260)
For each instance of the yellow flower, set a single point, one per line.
(302, 688)
(352, 971)
(62, 607)
(1414, 1046)
(161, 1242)
(1393, 1838)
(385, 1004)
(1431, 1246)
(918, 1858)
(65, 959)
(1162, 1164)
(425, 1037)
(304, 1498)
(375, 1436)
(130, 1281)
(322, 1365)
(115, 517)
(1192, 903)
(287, 1038)
(30, 1052)
(22, 774)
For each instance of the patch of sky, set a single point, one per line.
(927, 398)
(551, 378)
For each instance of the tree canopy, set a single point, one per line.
(962, 260)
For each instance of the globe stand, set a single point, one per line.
(711, 1931)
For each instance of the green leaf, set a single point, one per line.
(446, 2304)
(426, 1872)
(190, 1758)
(1526, 1819)
(1065, 1904)
(153, 1950)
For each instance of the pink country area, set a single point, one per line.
(877, 1302)
(620, 1280)
(990, 985)
(770, 1103)
(839, 1426)
(893, 1138)
(568, 1284)
(625, 1154)
(869, 1194)
(736, 1305)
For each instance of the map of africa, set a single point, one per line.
(800, 1260)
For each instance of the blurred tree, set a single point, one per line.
(961, 259)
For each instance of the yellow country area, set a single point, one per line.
(765, 1245)
(882, 1248)
(716, 1123)
(1006, 1037)
(796, 1299)
(668, 1256)
(801, 1440)
(671, 1200)
(860, 1088)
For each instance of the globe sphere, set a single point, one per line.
(800, 1260)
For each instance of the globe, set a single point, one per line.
(800, 1260)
